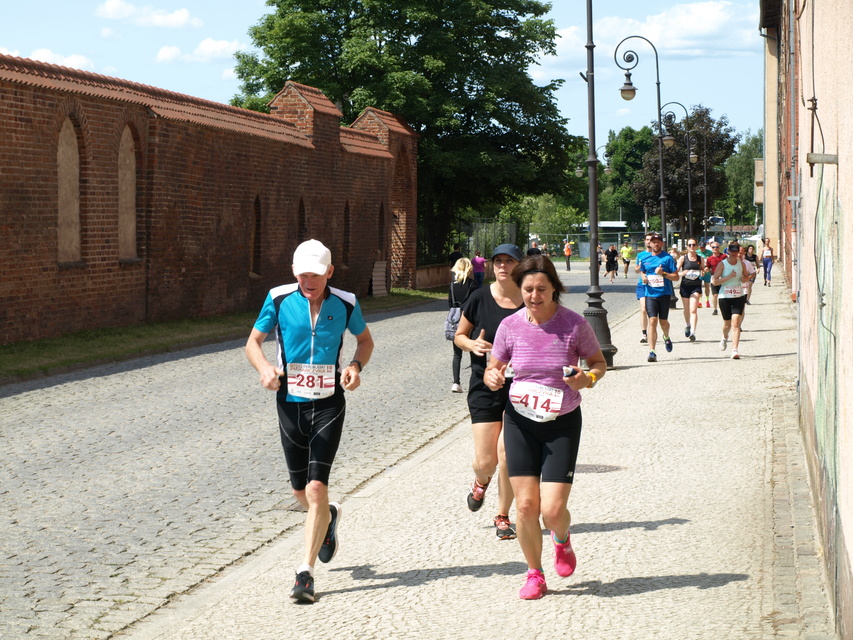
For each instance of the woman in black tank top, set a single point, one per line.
(690, 267)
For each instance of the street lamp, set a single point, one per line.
(594, 313)
(669, 118)
(607, 169)
(695, 159)
(628, 91)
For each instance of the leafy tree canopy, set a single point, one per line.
(713, 141)
(738, 206)
(457, 71)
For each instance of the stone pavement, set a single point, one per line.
(691, 519)
(129, 494)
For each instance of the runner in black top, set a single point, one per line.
(690, 267)
(612, 261)
(481, 315)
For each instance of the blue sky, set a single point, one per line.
(709, 51)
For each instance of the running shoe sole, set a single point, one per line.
(330, 546)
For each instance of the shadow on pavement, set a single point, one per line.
(633, 586)
(417, 577)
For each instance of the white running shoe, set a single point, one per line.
(456, 388)
(723, 344)
(735, 355)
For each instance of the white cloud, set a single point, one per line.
(146, 16)
(712, 29)
(168, 54)
(75, 61)
(108, 34)
(9, 52)
(229, 74)
(208, 50)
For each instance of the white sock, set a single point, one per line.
(306, 567)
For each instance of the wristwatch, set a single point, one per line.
(358, 364)
(592, 379)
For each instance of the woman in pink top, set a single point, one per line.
(542, 421)
(479, 264)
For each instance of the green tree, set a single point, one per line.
(456, 71)
(738, 206)
(626, 151)
(719, 140)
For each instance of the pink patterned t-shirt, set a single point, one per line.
(538, 353)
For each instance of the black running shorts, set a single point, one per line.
(658, 307)
(310, 434)
(484, 404)
(547, 450)
(732, 306)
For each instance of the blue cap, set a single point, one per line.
(508, 249)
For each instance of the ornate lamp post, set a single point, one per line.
(631, 59)
(694, 159)
(594, 313)
(669, 118)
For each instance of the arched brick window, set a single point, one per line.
(345, 253)
(127, 197)
(68, 174)
(382, 236)
(302, 230)
(256, 239)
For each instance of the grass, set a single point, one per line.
(85, 348)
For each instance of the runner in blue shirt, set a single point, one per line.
(309, 319)
(641, 291)
(658, 272)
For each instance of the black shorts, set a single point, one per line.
(687, 289)
(612, 266)
(732, 306)
(484, 404)
(547, 450)
(310, 434)
(715, 288)
(658, 307)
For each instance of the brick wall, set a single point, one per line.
(201, 167)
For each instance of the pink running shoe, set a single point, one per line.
(535, 586)
(707, 304)
(565, 560)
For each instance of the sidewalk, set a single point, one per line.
(691, 519)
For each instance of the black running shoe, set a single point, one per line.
(476, 494)
(303, 588)
(330, 542)
(687, 331)
(503, 528)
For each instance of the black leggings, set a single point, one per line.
(310, 434)
(457, 363)
(543, 449)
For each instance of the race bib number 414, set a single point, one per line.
(312, 381)
(536, 401)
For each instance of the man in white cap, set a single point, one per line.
(310, 319)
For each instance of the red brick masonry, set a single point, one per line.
(223, 196)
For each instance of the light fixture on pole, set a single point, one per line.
(631, 59)
(607, 170)
(669, 118)
(595, 313)
(694, 159)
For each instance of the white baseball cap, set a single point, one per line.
(312, 256)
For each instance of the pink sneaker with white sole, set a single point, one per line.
(535, 586)
(565, 560)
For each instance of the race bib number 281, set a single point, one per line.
(312, 381)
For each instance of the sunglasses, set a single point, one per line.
(691, 244)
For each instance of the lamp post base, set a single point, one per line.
(596, 316)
